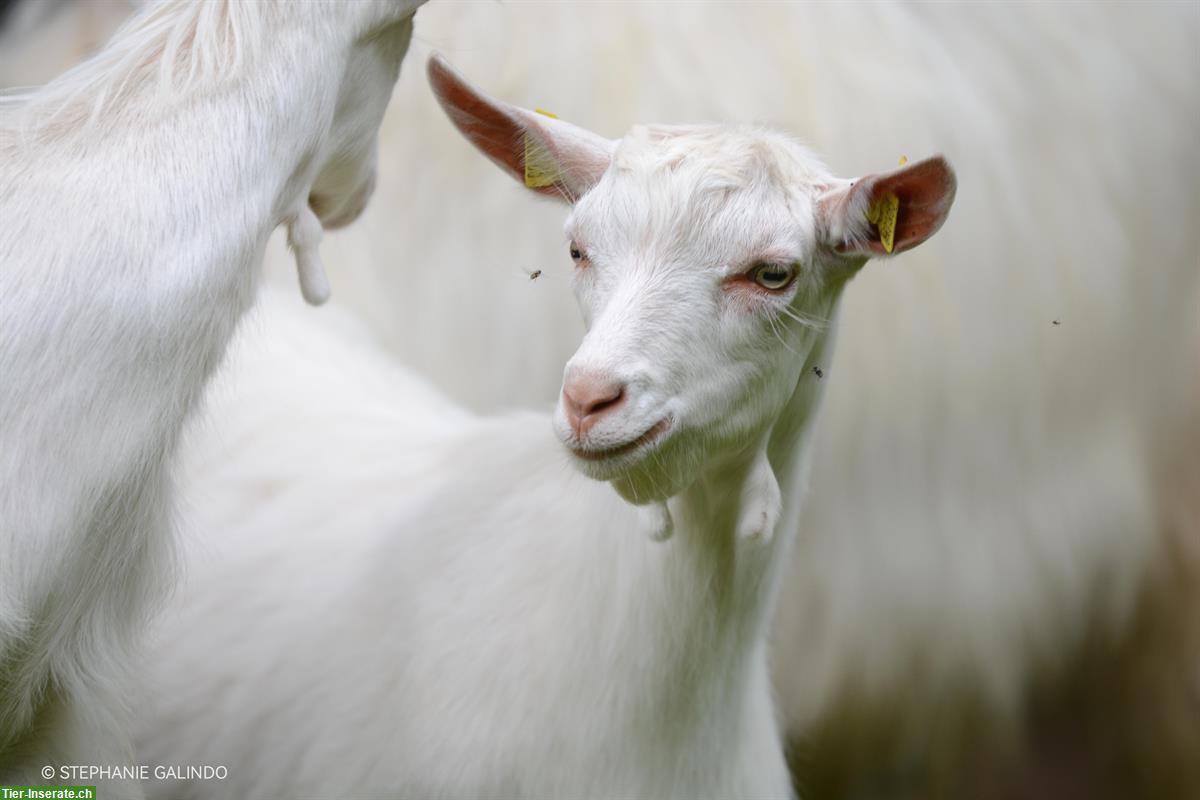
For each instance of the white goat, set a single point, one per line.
(988, 487)
(137, 194)
(459, 615)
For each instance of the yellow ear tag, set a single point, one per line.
(883, 213)
(540, 169)
(903, 160)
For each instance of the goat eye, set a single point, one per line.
(772, 276)
(576, 253)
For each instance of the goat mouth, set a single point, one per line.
(654, 432)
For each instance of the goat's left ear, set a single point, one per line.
(881, 215)
(548, 155)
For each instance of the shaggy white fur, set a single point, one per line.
(138, 193)
(982, 488)
(981, 492)
(455, 612)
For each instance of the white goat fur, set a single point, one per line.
(138, 192)
(956, 522)
(981, 486)
(483, 622)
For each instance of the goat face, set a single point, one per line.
(708, 261)
(703, 290)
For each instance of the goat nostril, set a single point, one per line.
(599, 405)
(588, 399)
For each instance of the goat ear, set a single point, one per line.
(546, 154)
(881, 215)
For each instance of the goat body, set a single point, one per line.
(442, 608)
(987, 486)
(438, 606)
(134, 222)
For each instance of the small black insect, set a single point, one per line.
(1055, 322)
(533, 276)
(817, 371)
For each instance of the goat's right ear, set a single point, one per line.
(546, 154)
(882, 215)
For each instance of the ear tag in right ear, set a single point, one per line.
(882, 214)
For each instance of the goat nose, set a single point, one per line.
(588, 398)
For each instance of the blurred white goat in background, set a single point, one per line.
(138, 192)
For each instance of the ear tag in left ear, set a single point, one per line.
(882, 214)
(540, 169)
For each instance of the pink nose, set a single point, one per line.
(588, 398)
